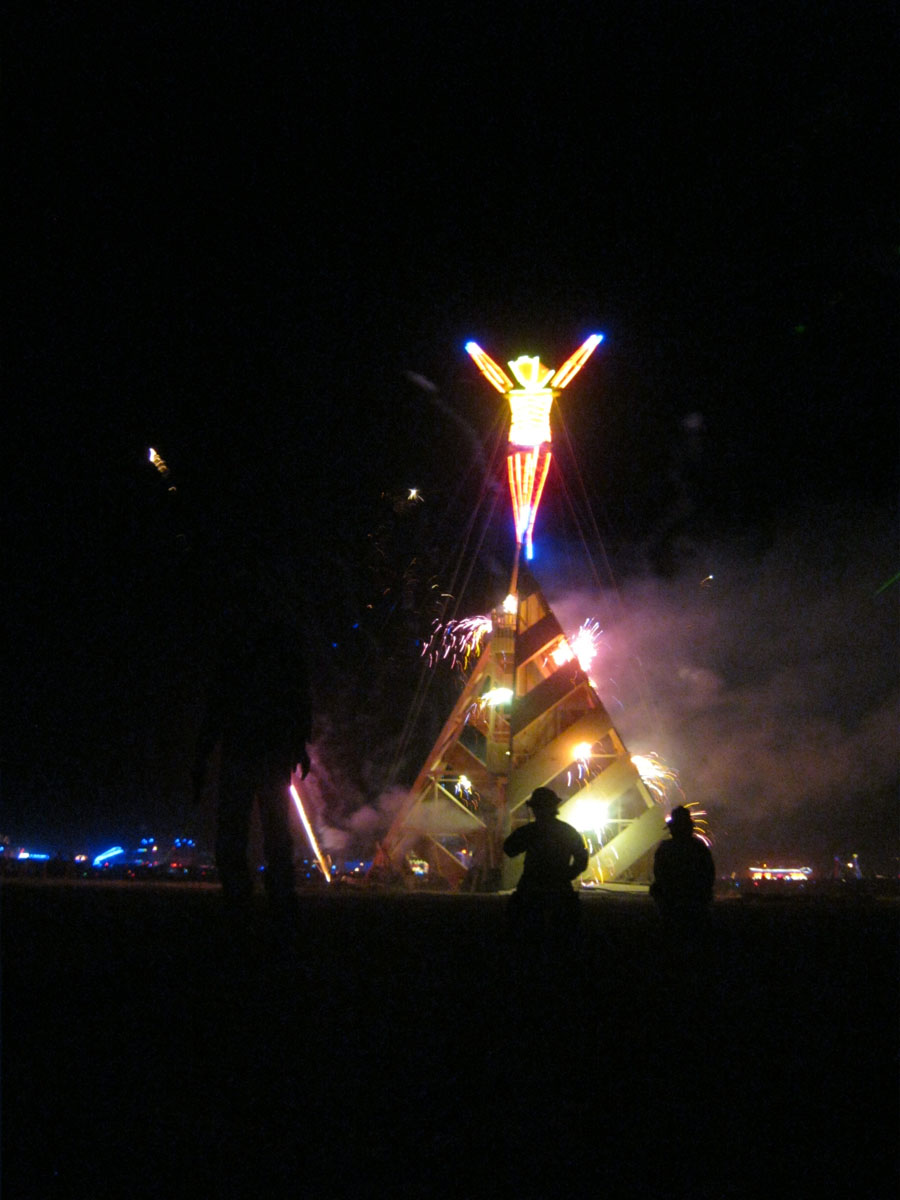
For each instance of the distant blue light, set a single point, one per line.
(113, 852)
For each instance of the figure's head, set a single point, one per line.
(680, 822)
(544, 802)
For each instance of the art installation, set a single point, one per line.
(529, 715)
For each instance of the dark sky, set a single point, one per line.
(237, 231)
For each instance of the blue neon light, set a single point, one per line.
(113, 852)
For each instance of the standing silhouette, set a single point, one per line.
(544, 906)
(257, 712)
(683, 877)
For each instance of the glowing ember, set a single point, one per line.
(158, 462)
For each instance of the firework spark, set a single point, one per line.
(583, 646)
(655, 774)
(456, 641)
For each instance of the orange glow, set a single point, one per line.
(493, 372)
(158, 462)
(311, 837)
(573, 365)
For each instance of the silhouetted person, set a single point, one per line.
(257, 711)
(683, 878)
(544, 904)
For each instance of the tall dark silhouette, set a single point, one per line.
(683, 877)
(257, 711)
(544, 907)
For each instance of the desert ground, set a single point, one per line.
(393, 1044)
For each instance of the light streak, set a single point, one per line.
(573, 365)
(113, 852)
(311, 837)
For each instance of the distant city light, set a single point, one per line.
(784, 874)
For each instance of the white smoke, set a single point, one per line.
(772, 689)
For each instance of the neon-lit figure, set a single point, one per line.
(528, 458)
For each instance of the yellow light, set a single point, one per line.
(320, 857)
(158, 462)
(582, 751)
(530, 373)
(493, 372)
(587, 814)
(497, 695)
(573, 365)
(510, 604)
(530, 425)
(562, 654)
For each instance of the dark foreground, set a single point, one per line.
(393, 1046)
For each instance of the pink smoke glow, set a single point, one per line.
(774, 689)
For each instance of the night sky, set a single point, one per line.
(257, 238)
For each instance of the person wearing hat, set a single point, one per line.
(683, 876)
(555, 855)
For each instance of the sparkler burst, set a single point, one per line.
(656, 775)
(456, 641)
(583, 646)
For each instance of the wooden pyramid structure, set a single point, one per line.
(528, 717)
